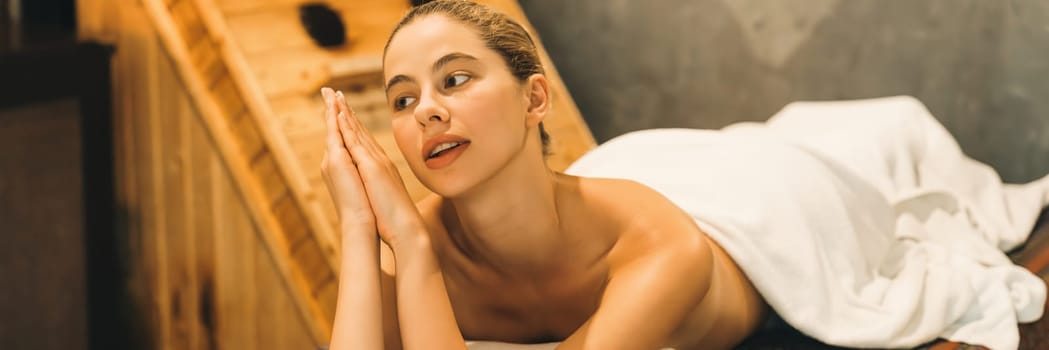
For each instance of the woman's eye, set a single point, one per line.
(456, 80)
(402, 102)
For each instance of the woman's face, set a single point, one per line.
(459, 116)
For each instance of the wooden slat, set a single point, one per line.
(247, 138)
(285, 72)
(271, 182)
(228, 97)
(236, 287)
(206, 60)
(269, 31)
(155, 209)
(278, 313)
(293, 224)
(130, 158)
(328, 293)
(200, 207)
(192, 239)
(187, 20)
(299, 114)
(176, 242)
(309, 257)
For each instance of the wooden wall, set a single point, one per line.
(198, 274)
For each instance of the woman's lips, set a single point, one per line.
(446, 157)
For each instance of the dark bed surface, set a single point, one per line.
(1034, 255)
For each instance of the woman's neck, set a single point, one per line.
(511, 221)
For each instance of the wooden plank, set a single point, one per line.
(292, 223)
(236, 260)
(176, 242)
(299, 114)
(196, 222)
(205, 57)
(268, 31)
(187, 21)
(310, 258)
(309, 151)
(284, 72)
(247, 139)
(199, 155)
(277, 311)
(130, 183)
(228, 97)
(328, 293)
(270, 179)
(154, 210)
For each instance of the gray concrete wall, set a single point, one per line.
(981, 66)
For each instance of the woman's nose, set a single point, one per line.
(430, 111)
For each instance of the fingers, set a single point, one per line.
(355, 135)
(334, 140)
(354, 124)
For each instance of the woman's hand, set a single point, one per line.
(395, 213)
(341, 175)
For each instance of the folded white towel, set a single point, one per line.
(896, 233)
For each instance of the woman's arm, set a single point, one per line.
(358, 314)
(424, 310)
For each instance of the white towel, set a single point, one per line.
(894, 234)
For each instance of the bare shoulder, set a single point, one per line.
(661, 244)
(648, 222)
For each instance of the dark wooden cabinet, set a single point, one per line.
(58, 249)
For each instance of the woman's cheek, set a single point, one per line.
(405, 138)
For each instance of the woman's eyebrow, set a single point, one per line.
(440, 63)
(444, 60)
(400, 78)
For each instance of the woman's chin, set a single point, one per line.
(447, 188)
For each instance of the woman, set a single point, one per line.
(506, 249)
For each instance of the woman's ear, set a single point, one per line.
(538, 94)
